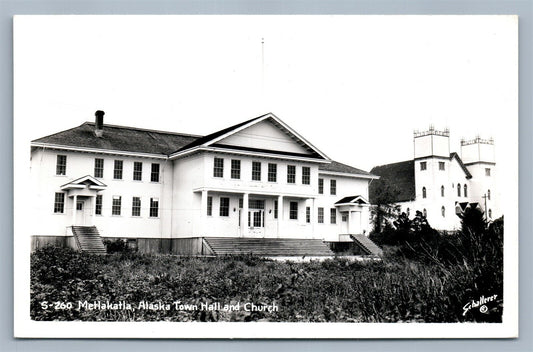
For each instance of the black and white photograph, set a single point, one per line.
(261, 176)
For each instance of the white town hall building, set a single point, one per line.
(185, 194)
(441, 184)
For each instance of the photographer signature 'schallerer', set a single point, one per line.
(481, 303)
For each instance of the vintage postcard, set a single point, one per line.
(266, 176)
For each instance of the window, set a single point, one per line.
(256, 171)
(272, 172)
(458, 190)
(79, 205)
(154, 207)
(236, 169)
(425, 213)
(320, 215)
(218, 168)
(465, 190)
(408, 211)
(275, 209)
(424, 192)
(423, 166)
(333, 187)
(137, 171)
(306, 175)
(291, 174)
(441, 165)
(344, 217)
(488, 194)
(224, 206)
(490, 213)
(256, 204)
(308, 214)
(99, 168)
(115, 207)
(154, 175)
(61, 165)
(487, 172)
(209, 206)
(136, 206)
(333, 215)
(443, 211)
(98, 207)
(320, 186)
(59, 203)
(293, 210)
(442, 191)
(117, 170)
(241, 202)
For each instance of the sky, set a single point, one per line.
(356, 87)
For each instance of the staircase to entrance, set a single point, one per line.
(367, 245)
(267, 247)
(88, 239)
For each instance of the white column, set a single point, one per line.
(203, 213)
(74, 203)
(244, 215)
(313, 217)
(280, 215)
(350, 222)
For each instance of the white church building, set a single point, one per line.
(187, 194)
(441, 184)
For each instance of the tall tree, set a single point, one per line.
(384, 207)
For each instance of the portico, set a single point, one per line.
(257, 214)
(82, 194)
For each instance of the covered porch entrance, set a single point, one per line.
(226, 213)
(352, 209)
(82, 194)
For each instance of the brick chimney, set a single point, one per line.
(99, 123)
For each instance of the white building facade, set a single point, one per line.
(257, 179)
(441, 184)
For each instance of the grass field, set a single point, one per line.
(68, 285)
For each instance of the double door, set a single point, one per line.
(256, 222)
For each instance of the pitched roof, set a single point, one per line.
(399, 175)
(335, 166)
(120, 138)
(131, 139)
(214, 135)
(461, 164)
(355, 199)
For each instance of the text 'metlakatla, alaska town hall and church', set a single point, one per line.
(257, 184)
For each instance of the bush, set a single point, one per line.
(118, 245)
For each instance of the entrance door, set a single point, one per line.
(80, 216)
(256, 222)
(345, 220)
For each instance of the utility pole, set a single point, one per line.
(485, 208)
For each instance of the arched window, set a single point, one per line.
(423, 192)
(488, 194)
(458, 190)
(442, 191)
(490, 213)
(443, 211)
(465, 191)
(425, 213)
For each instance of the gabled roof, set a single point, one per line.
(335, 166)
(461, 164)
(211, 140)
(352, 200)
(119, 138)
(138, 140)
(213, 136)
(401, 176)
(85, 181)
